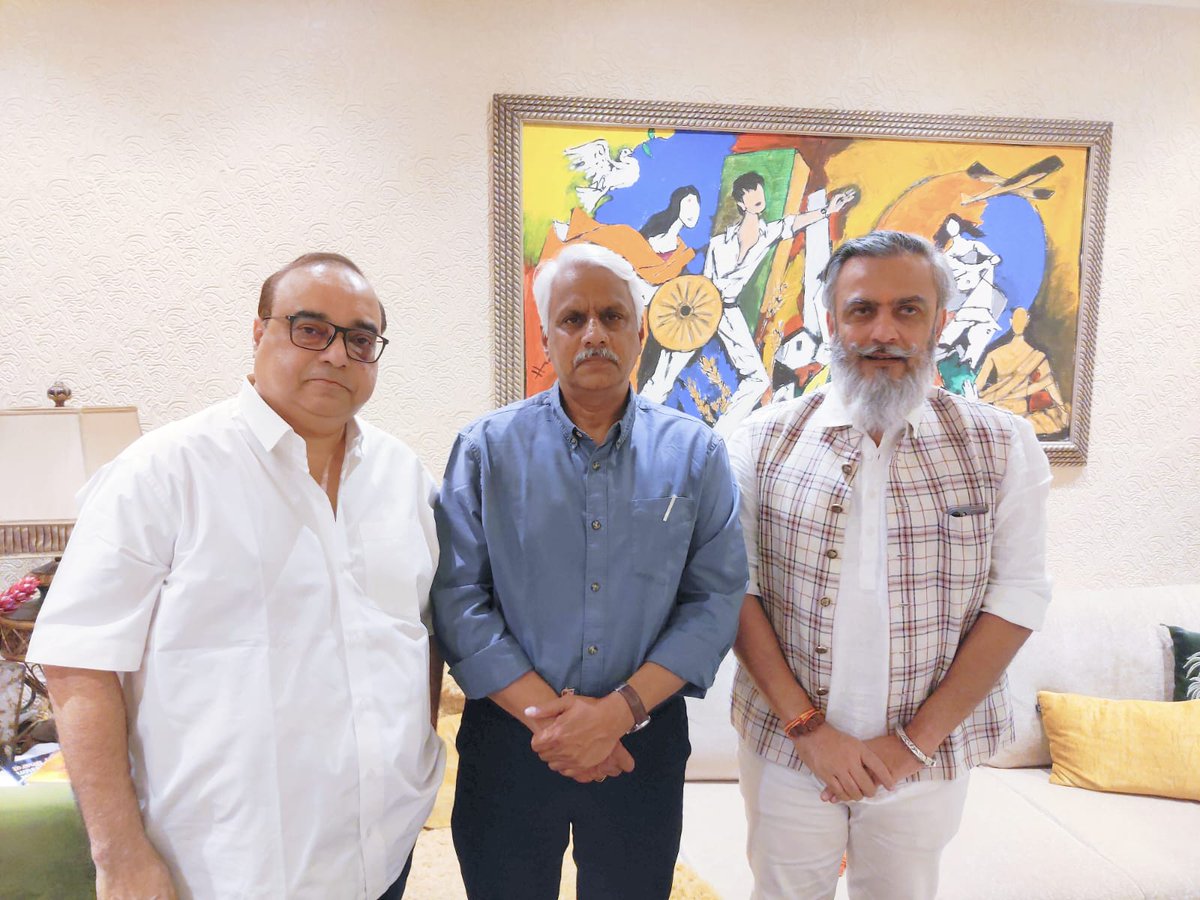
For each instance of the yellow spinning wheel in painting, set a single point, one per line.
(685, 312)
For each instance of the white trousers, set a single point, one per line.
(892, 841)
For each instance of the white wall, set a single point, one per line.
(158, 160)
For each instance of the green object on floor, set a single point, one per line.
(43, 847)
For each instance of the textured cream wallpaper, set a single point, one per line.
(159, 159)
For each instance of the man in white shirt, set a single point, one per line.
(896, 541)
(235, 641)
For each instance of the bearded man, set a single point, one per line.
(896, 543)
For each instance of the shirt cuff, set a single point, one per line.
(752, 582)
(83, 647)
(1022, 606)
(493, 668)
(686, 657)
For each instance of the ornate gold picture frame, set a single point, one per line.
(734, 321)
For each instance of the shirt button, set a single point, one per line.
(822, 650)
(836, 508)
(821, 692)
(832, 554)
(825, 601)
(595, 524)
(595, 586)
(595, 467)
(593, 650)
(847, 469)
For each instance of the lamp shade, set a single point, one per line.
(46, 456)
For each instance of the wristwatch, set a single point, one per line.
(641, 718)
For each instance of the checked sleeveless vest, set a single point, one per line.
(937, 565)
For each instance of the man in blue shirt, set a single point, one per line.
(592, 570)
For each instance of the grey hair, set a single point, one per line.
(580, 254)
(879, 244)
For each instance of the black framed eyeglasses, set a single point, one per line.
(311, 333)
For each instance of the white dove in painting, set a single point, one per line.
(604, 174)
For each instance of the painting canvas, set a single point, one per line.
(730, 227)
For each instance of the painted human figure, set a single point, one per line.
(662, 229)
(1017, 377)
(974, 322)
(733, 257)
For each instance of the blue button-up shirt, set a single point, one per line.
(583, 561)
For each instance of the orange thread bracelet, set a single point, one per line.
(801, 720)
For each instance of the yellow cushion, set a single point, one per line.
(1123, 746)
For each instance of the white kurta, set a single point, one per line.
(278, 665)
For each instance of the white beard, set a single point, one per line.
(877, 402)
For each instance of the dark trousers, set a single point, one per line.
(513, 815)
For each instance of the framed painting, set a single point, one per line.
(729, 214)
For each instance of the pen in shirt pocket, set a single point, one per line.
(670, 506)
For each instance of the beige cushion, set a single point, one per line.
(1103, 643)
(1008, 849)
(1023, 837)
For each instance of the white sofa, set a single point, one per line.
(1022, 838)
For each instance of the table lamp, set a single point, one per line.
(46, 455)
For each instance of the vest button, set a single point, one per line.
(825, 601)
(822, 650)
(836, 508)
(847, 468)
(832, 554)
(821, 692)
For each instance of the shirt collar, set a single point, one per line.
(269, 428)
(732, 230)
(618, 434)
(835, 411)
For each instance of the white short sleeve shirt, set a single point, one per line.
(277, 662)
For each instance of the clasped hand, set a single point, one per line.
(580, 737)
(852, 769)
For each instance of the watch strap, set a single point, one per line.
(641, 718)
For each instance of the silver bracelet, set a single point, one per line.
(927, 761)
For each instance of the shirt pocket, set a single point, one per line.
(662, 536)
(397, 568)
(965, 553)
